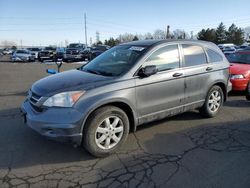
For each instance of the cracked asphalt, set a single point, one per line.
(182, 151)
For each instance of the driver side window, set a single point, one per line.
(165, 58)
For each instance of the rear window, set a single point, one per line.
(193, 55)
(213, 56)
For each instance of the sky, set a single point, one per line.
(52, 22)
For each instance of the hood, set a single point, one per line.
(237, 68)
(48, 51)
(72, 80)
(73, 48)
(22, 55)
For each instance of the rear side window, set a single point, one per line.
(213, 56)
(193, 55)
(165, 58)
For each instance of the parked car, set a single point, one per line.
(228, 50)
(34, 52)
(221, 46)
(240, 70)
(60, 53)
(131, 84)
(7, 51)
(248, 94)
(22, 55)
(91, 53)
(48, 53)
(74, 52)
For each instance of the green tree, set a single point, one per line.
(13, 47)
(221, 34)
(135, 38)
(207, 35)
(235, 35)
(111, 42)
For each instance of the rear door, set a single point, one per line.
(197, 73)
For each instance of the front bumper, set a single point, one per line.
(19, 58)
(72, 57)
(60, 124)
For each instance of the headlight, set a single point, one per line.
(237, 76)
(65, 99)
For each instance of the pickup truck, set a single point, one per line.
(74, 52)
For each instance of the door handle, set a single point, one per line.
(177, 74)
(209, 68)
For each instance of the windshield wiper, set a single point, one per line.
(106, 73)
(103, 73)
(92, 71)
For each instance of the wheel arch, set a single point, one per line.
(130, 112)
(223, 86)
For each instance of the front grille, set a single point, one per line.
(34, 98)
(42, 54)
(36, 108)
(72, 52)
(34, 101)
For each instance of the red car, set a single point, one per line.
(240, 70)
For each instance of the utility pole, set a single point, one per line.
(168, 27)
(97, 37)
(192, 34)
(85, 26)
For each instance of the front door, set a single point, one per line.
(161, 94)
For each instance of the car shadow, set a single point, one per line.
(238, 103)
(20, 146)
(22, 93)
(190, 115)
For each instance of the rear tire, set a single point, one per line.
(105, 131)
(213, 102)
(248, 92)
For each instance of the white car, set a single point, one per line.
(229, 50)
(34, 52)
(22, 55)
(7, 51)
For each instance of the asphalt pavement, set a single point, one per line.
(182, 151)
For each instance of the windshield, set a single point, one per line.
(243, 58)
(102, 48)
(116, 61)
(22, 52)
(76, 46)
(49, 48)
(33, 49)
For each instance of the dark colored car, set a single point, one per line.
(60, 53)
(48, 53)
(91, 53)
(240, 70)
(74, 52)
(129, 85)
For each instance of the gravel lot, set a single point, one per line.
(182, 151)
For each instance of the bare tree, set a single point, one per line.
(126, 37)
(8, 44)
(180, 34)
(159, 34)
(247, 33)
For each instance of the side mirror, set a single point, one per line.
(147, 71)
(51, 71)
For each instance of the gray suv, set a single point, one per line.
(129, 85)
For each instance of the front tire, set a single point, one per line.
(105, 131)
(213, 102)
